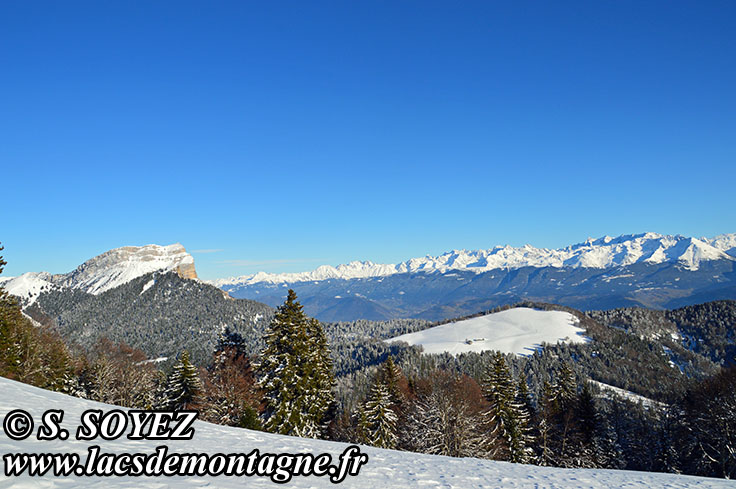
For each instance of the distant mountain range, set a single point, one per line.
(605, 252)
(650, 270)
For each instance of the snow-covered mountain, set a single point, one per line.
(605, 252)
(646, 270)
(105, 271)
(385, 468)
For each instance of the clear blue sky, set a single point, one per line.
(292, 134)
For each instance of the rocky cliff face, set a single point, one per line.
(186, 270)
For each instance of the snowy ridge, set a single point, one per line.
(105, 271)
(520, 330)
(605, 252)
(385, 468)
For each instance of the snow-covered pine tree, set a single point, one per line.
(587, 423)
(391, 376)
(295, 373)
(562, 443)
(497, 387)
(545, 455)
(232, 342)
(520, 413)
(323, 406)
(183, 386)
(378, 420)
(565, 388)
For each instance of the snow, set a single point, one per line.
(605, 252)
(28, 286)
(631, 396)
(104, 272)
(724, 242)
(385, 468)
(520, 330)
(148, 285)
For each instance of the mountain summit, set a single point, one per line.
(106, 271)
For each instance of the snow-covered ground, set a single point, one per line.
(605, 252)
(520, 330)
(631, 396)
(384, 469)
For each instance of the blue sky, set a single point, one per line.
(291, 134)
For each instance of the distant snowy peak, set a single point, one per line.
(106, 271)
(605, 252)
(725, 243)
(354, 269)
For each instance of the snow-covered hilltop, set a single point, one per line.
(605, 252)
(385, 468)
(520, 331)
(105, 271)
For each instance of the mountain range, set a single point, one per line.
(648, 270)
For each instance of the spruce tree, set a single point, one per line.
(390, 375)
(520, 413)
(378, 420)
(497, 388)
(562, 437)
(295, 373)
(545, 413)
(183, 386)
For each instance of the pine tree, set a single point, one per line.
(391, 376)
(323, 406)
(561, 443)
(231, 342)
(295, 373)
(565, 388)
(183, 386)
(520, 413)
(587, 424)
(545, 454)
(378, 420)
(498, 390)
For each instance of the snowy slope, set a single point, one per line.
(623, 393)
(385, 468)
(520, 330)
(605, 252)
(29, 285)
(105, 271)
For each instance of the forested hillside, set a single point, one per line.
(159, 313)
